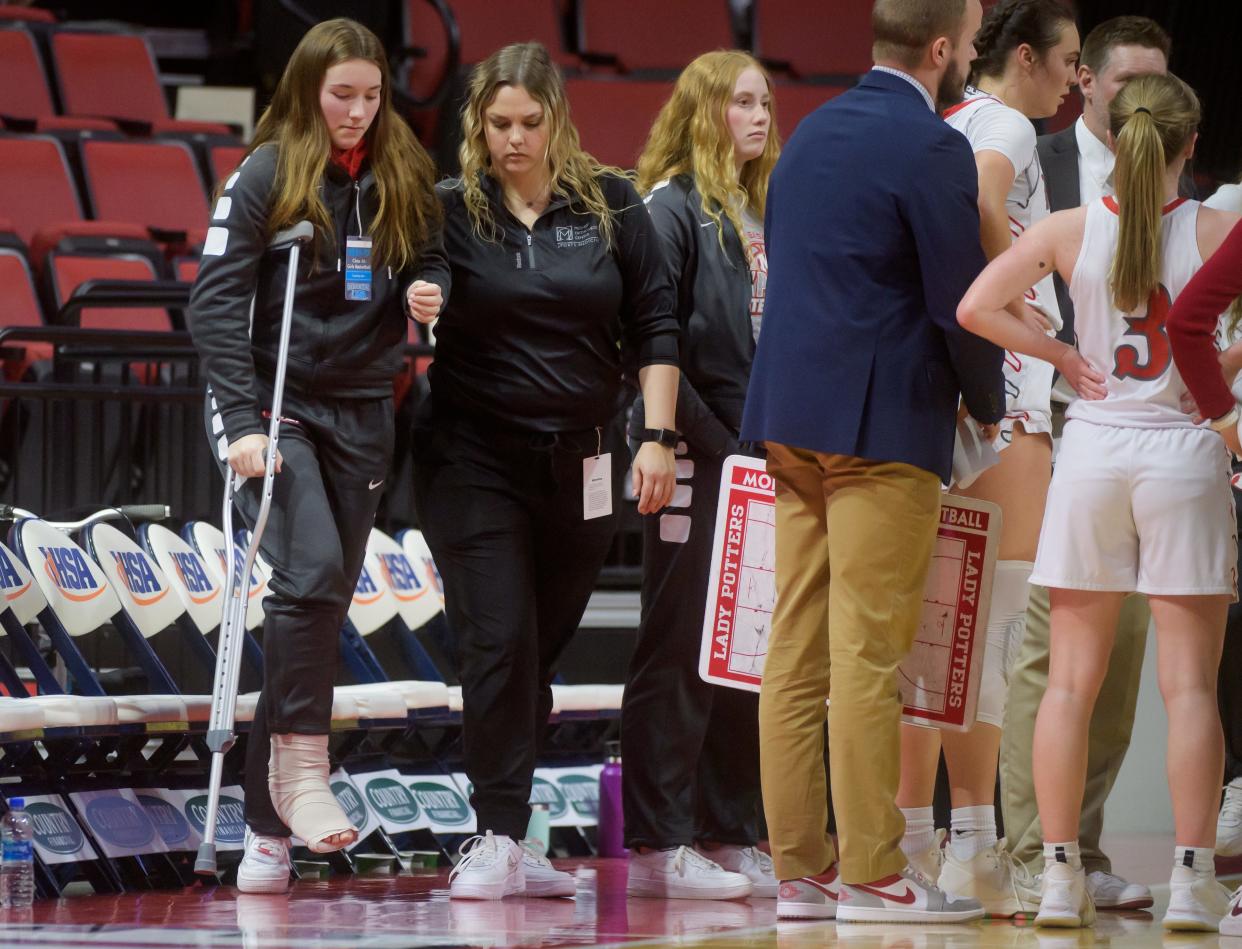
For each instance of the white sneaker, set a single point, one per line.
(991, 877)
(752, 863)
(490, 868)
(543, 879)
(1229, 823)
(906, 897)
(930, 861)
(1231, 922)
(1196, 901)
(1109, 891)
(265, 865)
(683, 874)
(1065, 900)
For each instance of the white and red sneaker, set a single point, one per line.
(905, 897)
(1231, 924)
(265, 864)
(809, 897)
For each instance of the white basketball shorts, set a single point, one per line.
(1139, 509)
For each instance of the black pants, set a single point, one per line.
(1229, 678)
(689, 750)
(336, 455)
(502, 512)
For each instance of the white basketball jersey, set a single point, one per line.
(990, 125)
(1132, 349)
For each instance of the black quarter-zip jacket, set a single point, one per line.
(543, 323)
(338, 348)
(713, 286)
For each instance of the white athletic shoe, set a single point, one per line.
(1229, 822)
(752, 863)
(1231, 922)
(1065, 900)
(543, 879)
(1109, 891)
(931, 861)
(991, 877)
(682, 873)
(809, 897)
(490, 868)
(1196, 901)
(906, 897)
(265, 864)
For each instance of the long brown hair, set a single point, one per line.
(1153, 119)
(404, 173)
(573, 173)
(1013, 23)
(690, 136)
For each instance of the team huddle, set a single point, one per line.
(912, 293)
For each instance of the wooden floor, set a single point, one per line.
(405, 910)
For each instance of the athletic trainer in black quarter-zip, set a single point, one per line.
(530, 334)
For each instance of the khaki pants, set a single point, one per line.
(853, 546)
(1111, 724)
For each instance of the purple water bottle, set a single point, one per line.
(611, 838)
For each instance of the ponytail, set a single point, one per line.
(1152, 119)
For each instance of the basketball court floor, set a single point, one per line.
(389, 911)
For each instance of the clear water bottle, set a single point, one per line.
(16, 857)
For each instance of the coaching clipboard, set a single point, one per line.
(940, 677)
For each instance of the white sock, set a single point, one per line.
(1200, 859)
(1067, 852)
(972, 830)
(920, 830)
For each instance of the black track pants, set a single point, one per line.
(689, 750)
(502, 512)
(336, 456)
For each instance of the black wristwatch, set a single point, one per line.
(661, 436)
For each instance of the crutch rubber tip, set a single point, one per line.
(205, 863)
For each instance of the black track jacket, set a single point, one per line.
(338, 348)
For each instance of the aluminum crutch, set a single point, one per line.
(220, 734)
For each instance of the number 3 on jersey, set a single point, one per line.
(1128, 360)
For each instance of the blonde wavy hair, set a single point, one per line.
(404, 173)
(1153, 119)
(691, 136)
(572, 172)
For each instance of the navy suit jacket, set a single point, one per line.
(872, 237)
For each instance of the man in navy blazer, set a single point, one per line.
(872, 238)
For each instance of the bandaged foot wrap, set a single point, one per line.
(298, 781)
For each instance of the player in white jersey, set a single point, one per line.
(1026, 65)
(1141, 498)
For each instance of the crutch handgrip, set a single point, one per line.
(300, 233)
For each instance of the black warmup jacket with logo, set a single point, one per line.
(542, 323)
(338, 348)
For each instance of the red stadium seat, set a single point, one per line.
(112, 75)
(614, 115)
(24, 94)
(224, 161)
(796, 100)
(21, 308)
(74, 123)
(812, 38)
(486, 26)
(26, 14)
(36, 189)
(155, 184)
(70, 271)
(638, 34)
